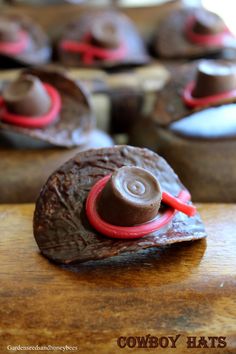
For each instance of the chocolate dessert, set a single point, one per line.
(104, 39)
(195, 86)
(192, 33)
(42, 114)
(22, 42)
(59, 112)
(76, 204)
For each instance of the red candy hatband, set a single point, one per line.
(192, 102)
(205, 39)
(14, 48)
(124, 232)
(90, 52)
(34, 122)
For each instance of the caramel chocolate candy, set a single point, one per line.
(132, 196)
(105, 33)
(27, 96)
(214, 77)
(208, 23)
(8, 31)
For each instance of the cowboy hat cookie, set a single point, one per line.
(115, 200)
(104, 39)
(47, 106)
(195, 86)
(192, 33)
(22, 42)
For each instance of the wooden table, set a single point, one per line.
(187, 289)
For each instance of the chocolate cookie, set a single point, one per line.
(22, 42)
(191, 85)
(61, 226)
(73, 121)
(104, 39)
(192, 33)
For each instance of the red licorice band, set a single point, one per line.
(205, 39)
(90, 52)
(14, 48)
(127, 232)
(178, 204)
(35, 122)
(192, 102)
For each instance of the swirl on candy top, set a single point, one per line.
(132, 196)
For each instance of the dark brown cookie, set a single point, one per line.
(75, 120)
(170, 39)
(61, 228)
(169, 104)
(124, 34)
(38, 50)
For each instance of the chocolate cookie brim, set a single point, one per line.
(136, 52)
(169, 105)
(75, 119)
(39, 50)
(61, 228)
(170, 40)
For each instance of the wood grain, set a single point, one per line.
(187, 289)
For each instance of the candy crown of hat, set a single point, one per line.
(26, 96)
(207, 23)
(214, 77)
(131, 196)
